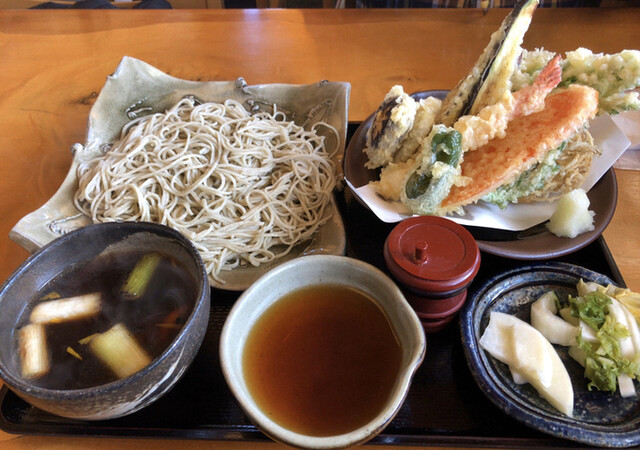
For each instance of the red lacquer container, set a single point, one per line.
(434, 260)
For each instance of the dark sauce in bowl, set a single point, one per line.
(322, 360)
(154, 319)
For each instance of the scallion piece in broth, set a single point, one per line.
(140, 276)
(34, 355)
(65, 309)
(86, 340)
(119, 350)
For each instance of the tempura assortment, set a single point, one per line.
(515, 129)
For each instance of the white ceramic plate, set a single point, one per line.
(137, 89)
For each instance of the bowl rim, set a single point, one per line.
(22, 385)
(397, 395)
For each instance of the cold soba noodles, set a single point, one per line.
(245, 188)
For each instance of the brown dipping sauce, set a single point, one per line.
(322, 360)
(169, 297)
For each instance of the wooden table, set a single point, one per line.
(54, 63)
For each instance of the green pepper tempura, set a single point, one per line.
(434, 172)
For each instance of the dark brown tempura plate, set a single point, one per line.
(534, 244)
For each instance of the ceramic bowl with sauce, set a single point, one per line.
(320, 352)
(164, 322)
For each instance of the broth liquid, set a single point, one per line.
(171, 293)
(322, 360)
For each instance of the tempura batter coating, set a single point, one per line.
(435, 170)
(392, 178)
(563, 170)
(491, 121)
(614, 76)
(424, 121)
(391, 125)
(527, 141)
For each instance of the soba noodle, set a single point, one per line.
(244, 188)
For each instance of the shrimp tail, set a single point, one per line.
(491, 121)
(530, 99)
(551, 75)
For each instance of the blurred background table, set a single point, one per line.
(54, 64)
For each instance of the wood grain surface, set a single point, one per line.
(54, 64)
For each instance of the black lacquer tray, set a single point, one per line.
(444, 405)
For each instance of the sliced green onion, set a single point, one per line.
(140, 276)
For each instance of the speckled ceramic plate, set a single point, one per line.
(136, 89)
(600, 418)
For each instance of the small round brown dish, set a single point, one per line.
(434, 260)
(110, 242)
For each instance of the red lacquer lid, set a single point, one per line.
(432, 255)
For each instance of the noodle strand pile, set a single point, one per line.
(244, 188)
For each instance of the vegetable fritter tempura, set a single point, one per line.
(522, 120)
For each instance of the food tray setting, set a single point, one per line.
(418, 237)
(444, 406)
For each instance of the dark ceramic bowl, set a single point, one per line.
(600, 419)
(136, 391)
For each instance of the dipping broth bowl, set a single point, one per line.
(135, 391)
(282, 285)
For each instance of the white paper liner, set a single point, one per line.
(609, 139)
(629, 123)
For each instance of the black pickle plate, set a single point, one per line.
(444, 406)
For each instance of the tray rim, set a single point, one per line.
(250, 433)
